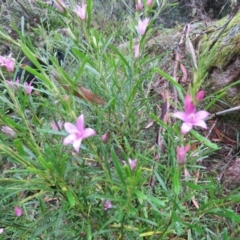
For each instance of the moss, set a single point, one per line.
(228, 43)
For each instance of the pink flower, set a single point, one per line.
(149, 3)
(57, 126)
(18, 211)
(1, 230)
(107, 205)
(14, 84)
(60, 5)
(132, 163)
(105, 137)
(9, 131)
(190, 117)
(82, 11)
(28, 87)
(66, 97)
(139, 6)
(200, 96)
(77, 133)
(136, 51)
(142, 26)
(181, 154)
(8, 63)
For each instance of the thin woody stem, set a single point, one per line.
(224, 112)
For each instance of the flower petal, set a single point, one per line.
(186, 127)
(69, 139)
(77, 143)
(70, 128)
(201, 123)
(88, 132)
(181, 115)
(80, 123)
(201, 115)
(188, 105)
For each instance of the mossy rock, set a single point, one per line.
(223, 67)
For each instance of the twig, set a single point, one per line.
(224, 112)
(23, 8)
(211, 129)
(177, 58)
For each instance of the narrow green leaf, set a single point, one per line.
(169, 78)
(70, 198)
(18, 144)
(118, 167)
(120, 55)
(140, 194)
(204, 140)
(176, 182)
(30, 56)
(156, 201)
(160, 180)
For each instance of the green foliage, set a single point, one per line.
(62, 193)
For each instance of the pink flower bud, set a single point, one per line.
(105, 137)
(149, 3)
(181, 154)
(139, 6)
(18, 211)
(200, 96)
(136, 51)
(9, 131)
(66, 97)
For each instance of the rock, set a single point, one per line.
(231, 178)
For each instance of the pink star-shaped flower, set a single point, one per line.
(77, 133)
(28, 87)
(8, 63)
(81, 11)
(190, 117)
(132, 163)
(142, 26)
(57, 125)
(14, 84)
(107, 205)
